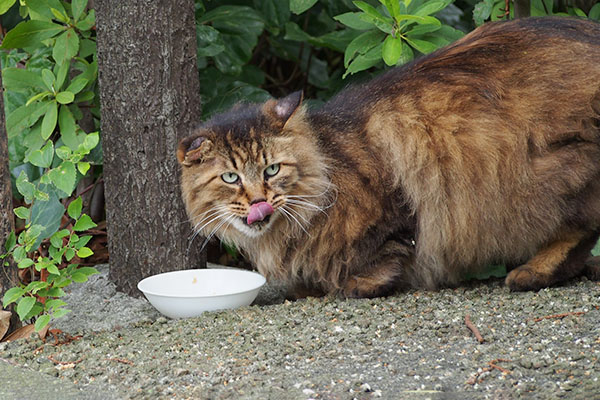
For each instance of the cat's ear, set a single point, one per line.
(283, 109)
(193, 149)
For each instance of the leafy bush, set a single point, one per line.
(50, 87)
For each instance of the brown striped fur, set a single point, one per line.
(486, 151)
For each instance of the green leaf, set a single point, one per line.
(392, 50)
(78, 276)
(56, 239)
(26, 188)
(48, 78)
(74, 208)
(68, 128)
(61, 71)
(49, 121)
(63, 177)
(30, 33)
(88, 271)
(77, 85)
(88, 22)
(275, 12)
(25, 263)
(22, 212)
(66, 46)
(24, 306)
(47, 213)
(42, 158)
(5, 5)
(65, 97)
(422, 45)
(19, 253)
(24, 117)
(83, 253)
(43, 8)
(362, 44)
(60, 312)
(482, 11)
(393, 7)
(53, 269)
(300, 6)
(63, 152)
(595, 12)
(82, 241)
(425, 20)
(78, 7)
(422, 29)
(83, 167)
(39, 96)
(431, 7)
(11, 241)
(353, 20)
(365, 61)
(18, 78)
(84, 223)
(69, 254)
(91, 141)
(12, 295)
(36, 286)
(41, 322)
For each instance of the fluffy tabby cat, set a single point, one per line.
(486, 151)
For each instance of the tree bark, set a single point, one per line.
(522, 8)
(149, 97)
(8, 275)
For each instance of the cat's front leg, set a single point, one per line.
(384, 275)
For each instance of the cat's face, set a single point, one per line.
(251, 170)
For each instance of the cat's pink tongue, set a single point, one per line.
(259, 211)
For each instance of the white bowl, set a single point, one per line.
(188, 293)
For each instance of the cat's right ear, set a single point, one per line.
(283, 109)
(193, 149)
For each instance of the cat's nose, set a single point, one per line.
(259, 211)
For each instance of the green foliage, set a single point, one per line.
(49, 75)
(308, 44)
(493, 10)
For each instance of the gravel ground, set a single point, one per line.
(414, 345)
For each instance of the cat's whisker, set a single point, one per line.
(215, 230)
(211, 215)
(299, 214)
(286, 211)
(305, 205)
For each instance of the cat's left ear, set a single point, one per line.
(284, 108)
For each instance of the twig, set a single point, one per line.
(559, 315)
(492, 365)
(473, 329)
(121, 360)
(55, 361)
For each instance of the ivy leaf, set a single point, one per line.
(43, 158)
(30, 33)
(74, 208)
(49, 121)
(66, 46)
(83, 224)
(24, 306)
(63, 177)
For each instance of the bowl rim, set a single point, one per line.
(264, 280)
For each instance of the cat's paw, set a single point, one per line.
(361, 287)
(526, 278)
(592, 268)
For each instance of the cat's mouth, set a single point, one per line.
(257, 224)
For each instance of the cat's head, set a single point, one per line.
(252, 170)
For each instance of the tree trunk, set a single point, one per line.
(522, 8)
(8, 275)
(149, 97)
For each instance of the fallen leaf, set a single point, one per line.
(25, 332)
(4, 322)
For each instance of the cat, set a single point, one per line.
(485, 151)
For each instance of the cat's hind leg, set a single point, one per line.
(384, 276)
(562, 259)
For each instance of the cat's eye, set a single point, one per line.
(272, 170)
(230, 177)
